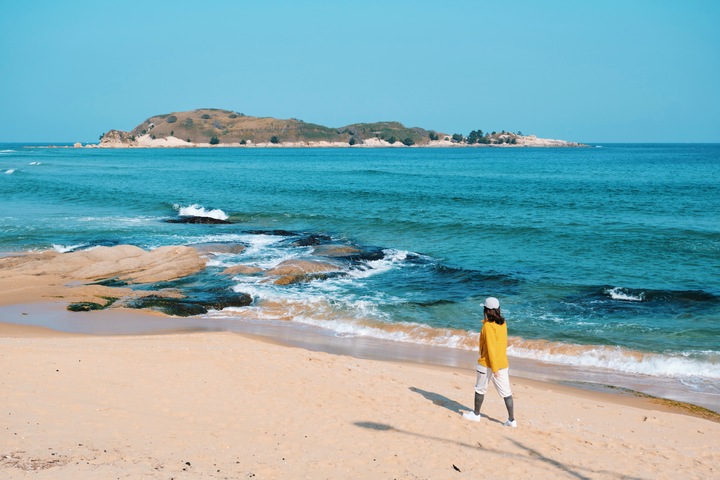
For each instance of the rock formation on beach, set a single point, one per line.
(224, 128)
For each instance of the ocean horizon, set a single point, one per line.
(605, 258)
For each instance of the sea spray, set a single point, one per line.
(196, 210)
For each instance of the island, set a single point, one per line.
(211, 127)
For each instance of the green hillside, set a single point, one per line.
(200, 126)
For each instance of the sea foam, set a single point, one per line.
(196, 210)
(68, 248)
(619, 293)
(614, 358)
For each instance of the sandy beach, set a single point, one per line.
(223, 405)
(227, 405)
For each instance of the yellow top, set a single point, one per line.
(493, 346)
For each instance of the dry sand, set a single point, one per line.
(224, 405)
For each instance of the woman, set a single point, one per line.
(493, 359)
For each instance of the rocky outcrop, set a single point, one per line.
(302, 270)
(348, 252)
(125, 263)
(241, 270)
(117, 138)
(189, 306)
(533, 141)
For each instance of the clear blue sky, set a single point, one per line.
(601, 71)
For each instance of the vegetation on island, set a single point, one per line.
(215, 127)
(478, 137)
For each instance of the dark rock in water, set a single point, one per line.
(200, 220)
(84, 306)
(111, 282)
(169, 306)
(231, 299)
(311, 240)
(89, 306)
(369, 254)
(185, 307)
(348, 252)
(277, 233)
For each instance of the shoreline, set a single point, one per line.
(39, 289)
(218, 404)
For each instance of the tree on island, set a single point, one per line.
(474, 137)
(274, 139)
(214, 140)
(457, 138)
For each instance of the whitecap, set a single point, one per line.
(391, 258)
(10, 171)
(67, 248)
(619, 293)
(196, 210)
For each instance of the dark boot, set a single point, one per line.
(510, 407)
(478, 402)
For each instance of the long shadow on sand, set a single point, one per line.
(445, 402)
(533, 456)
(441, 400)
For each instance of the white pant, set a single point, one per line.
(501, 381)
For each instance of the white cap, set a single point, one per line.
(491, 303)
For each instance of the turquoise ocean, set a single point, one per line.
(606, 259)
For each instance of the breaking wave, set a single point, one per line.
(196, 210)
(680, 365)
(619, 293)
(68, 248)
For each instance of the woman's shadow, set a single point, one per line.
(438, 399)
